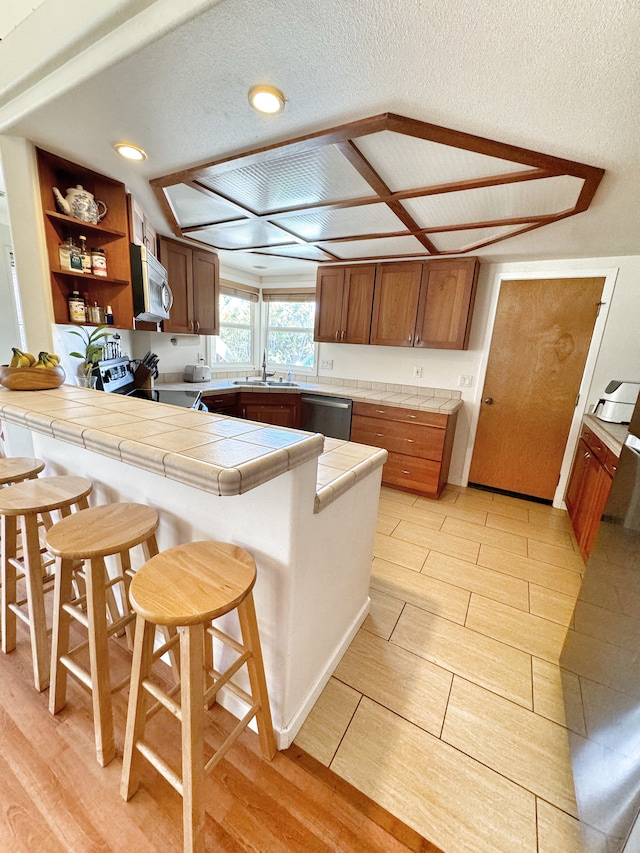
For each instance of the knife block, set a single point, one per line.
(142, 377)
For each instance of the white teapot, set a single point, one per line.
(80, 204)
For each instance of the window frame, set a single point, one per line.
(254, 325)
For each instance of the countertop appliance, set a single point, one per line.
(617, 404)
(197, 373)
(600, 664)
(116, 376)
(152, 296)
(329, 415)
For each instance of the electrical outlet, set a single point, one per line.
(465, 381)
(326, 364)
(417, 372)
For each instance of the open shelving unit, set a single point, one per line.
(111, 234)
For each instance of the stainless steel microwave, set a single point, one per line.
(152, 297)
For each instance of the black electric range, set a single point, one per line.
(115, 376)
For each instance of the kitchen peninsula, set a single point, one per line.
(213, 477)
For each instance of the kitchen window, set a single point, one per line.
(289, 319)
(238, 316)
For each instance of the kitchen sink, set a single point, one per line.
(261, 382)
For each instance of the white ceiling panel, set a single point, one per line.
(464, 240)
(192, 207)
(506, 201)
(406, 162)
(316, 176)
(245, 234)
(379, 248)
(342, 222)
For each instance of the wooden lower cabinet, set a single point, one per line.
(277, 409)
(221, 404)
(588, 487)
(419, 445)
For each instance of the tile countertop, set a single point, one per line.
(402, 396)
(613, 435)
(222, 455)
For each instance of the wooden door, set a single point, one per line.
(205, 292)
(446, 303)
(329, 298)
(357, 304)
(177, 259)
(538, 351)
(395, 304)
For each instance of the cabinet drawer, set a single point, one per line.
(409, 472)
(393, 413)
(596, 445)
(611, 462)
(409, 438)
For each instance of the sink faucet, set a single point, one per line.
(264, 367)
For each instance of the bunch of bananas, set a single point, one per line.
(46, 359)
(27, 359)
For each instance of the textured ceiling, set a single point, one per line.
(560, 78)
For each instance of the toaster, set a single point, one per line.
(197, 373)
(618, 402)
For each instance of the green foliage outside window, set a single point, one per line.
(290, 333)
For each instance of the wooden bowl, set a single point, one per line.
(31, 378)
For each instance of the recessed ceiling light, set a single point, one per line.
(266, 99)
(131, 152)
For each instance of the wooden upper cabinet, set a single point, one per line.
(329, 298)
(395, 304)
(344, 300)
(205, 292)
(194, 281)
(447, 295)
(403, 304)
(177, 259)
(141, 231)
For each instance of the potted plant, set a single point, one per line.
(92, 352)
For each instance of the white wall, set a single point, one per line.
(9, 336)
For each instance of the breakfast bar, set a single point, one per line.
(260, 487)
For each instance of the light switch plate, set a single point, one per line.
(417, 372)
(465, 381)
(326, 364)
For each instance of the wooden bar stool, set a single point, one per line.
(15, 469)
(186, 587)
(30, 501)
(90, 536)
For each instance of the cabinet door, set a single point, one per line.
(357, 305)
(586, 496)
(178, 261)
(395, 304)
(270, 413)
(329, 299)
(205, 292)
(446, 303)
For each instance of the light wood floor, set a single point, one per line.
(447, 708)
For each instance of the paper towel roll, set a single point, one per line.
(185, 340)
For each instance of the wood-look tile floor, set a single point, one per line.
(447, 708)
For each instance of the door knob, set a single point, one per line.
(488, 401)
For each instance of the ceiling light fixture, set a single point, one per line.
(266, 99)
(131, 152)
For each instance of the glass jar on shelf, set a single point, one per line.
(98, 262)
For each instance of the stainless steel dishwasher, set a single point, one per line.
(329, 415)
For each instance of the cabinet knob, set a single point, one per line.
(408, 473)
(410, 339)
(417, 340)
(381, 411)
(337, 334)
(488, 401)
(587, 455)
(379, 435)
(410, 440)
(197, 326)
